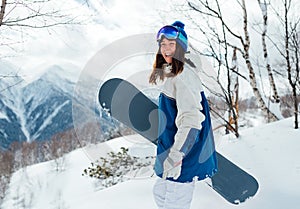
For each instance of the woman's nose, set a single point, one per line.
(168, 47)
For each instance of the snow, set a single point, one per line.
(269, 152)
(3, 116)
(49, 118)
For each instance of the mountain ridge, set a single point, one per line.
(38, 109)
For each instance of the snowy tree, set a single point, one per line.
(212, 10)
(292, 42)
(287, 44)
(264, 9)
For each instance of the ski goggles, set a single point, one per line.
(168, 31)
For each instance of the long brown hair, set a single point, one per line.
(177, 65)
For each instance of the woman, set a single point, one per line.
(185, 151)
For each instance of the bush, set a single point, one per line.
(112, 169)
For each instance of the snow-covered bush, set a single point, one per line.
(112, 169)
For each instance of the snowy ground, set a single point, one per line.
(269, 152)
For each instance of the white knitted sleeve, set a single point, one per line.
(187, 89)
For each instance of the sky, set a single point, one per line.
(104, 23)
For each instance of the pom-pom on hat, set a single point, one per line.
(178, 34)
(182, 37)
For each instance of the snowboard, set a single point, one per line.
(127, 104)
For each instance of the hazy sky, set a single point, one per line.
(107, 22)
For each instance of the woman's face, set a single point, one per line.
(167, 49)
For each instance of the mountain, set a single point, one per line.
(39, 109)
(10, 105)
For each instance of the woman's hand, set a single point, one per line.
(172, 165)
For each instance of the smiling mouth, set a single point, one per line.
(168, 55)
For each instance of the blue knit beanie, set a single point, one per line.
(182, 38)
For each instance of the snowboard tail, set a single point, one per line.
(130, 106)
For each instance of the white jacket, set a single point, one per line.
(186, 89)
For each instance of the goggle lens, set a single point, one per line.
(170, 32)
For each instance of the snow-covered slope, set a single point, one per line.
(269, 152)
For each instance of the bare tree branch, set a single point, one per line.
(215, 14)
(16, 15)
(36, 15)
